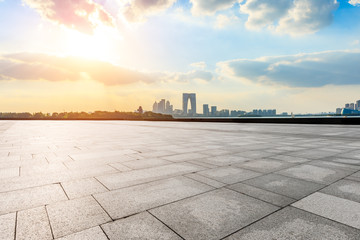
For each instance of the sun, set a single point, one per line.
(101, 45)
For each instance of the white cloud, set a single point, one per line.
(34, 66)
(294, 17)
(137, 10)
(354, 2)
(83, 15)
(200, 65)
(223, 21)
(303, 70)
(209, 7)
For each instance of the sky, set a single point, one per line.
(300, 56)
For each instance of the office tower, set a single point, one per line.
(338, 111)
(192, 98)
(168, 107)
(161, 106)
(155, 107)
(347, 106)
(213, 110)
(358, 105)
(206, 110)
(255, 112)
(352, 106)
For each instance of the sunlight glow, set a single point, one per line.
(100, 46)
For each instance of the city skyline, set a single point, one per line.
(86, 55)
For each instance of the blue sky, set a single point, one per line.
(294, 55)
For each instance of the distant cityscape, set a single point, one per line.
(165, 107)
(349, 109)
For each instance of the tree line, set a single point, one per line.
(116, 115)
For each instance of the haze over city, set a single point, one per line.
(295, 56)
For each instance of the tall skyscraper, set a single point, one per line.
(206, 110)
(161, 106)
(155, 107)
(213, 110)
(358, 105)
(347, 106)
(352, 106)
(186, 98)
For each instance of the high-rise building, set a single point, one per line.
(186, 98)
(161, 106)
(155, 107)
(358, 105)
(206, 110)
(338, 110)
(213, 111)
(347, 106)
(352, 106)
(168, 107)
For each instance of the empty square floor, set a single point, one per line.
(177, 180)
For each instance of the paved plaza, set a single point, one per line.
(175, 180)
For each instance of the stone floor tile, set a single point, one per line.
(30, 198)
(146, 163)
(344, 189)
(314, 173)
(266, 196)
(185, 157)
(126, 179)
(33, 224)
(82, 187)
(212, 215)
(290, 159)
(295, 224)
(291, 187)
(334, 208)
(94, 233)
(205, 180)
(264, 165)
(72, 216)
(7, 226)
(140, 226)
(9, 172)
(335, 165)
(224, 160)
(121, 167)
(229, 175)
(127, 201)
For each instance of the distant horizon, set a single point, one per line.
(293, 56)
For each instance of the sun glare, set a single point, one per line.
(101, 45)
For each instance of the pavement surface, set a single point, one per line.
(173, 180)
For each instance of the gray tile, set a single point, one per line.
(82, 187)
(94, 233)
(229, 175)
(26, 229)
(291, 187)
(264, 165)
(72, 216)
(127, 201)
(185, 157)
(336, 165)
(30, 198)
(292, 223)
(205, 180)
(146, 163)
(290, 159)
(7, 226)
(224, 160)
(315, 173)
(212, 215)
(334, 208)
(344, 189)
(261, 194)
(126, 179)
(140, 226)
